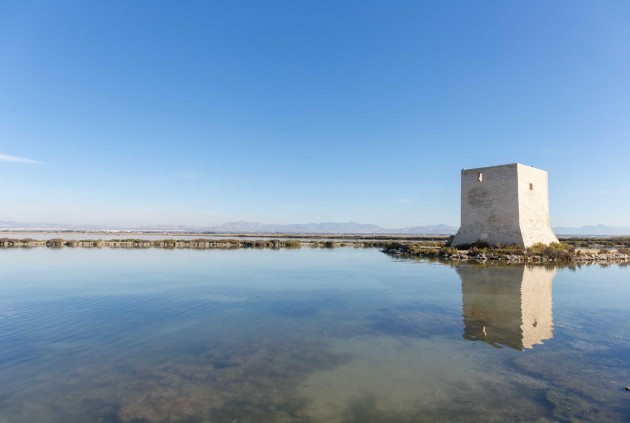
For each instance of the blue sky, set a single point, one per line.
(305, 111)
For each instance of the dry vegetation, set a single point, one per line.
(200, 243)
(481, 251)
(569, 250)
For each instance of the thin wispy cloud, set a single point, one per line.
(16, 159)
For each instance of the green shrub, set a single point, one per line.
(448, 251)
(509, 249)
(477, 245)
(556, 251)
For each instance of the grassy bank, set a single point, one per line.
(560, 252)
(200, 243)
(613, 250)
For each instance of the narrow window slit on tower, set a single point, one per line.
(531, 187)
(479, 176)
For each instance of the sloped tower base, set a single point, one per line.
(504, 237)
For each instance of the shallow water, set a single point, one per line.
(308, 335)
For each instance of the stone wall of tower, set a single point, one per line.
(490, 206)
(533, 206)
(505, 204)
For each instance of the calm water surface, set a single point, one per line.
(309, 335)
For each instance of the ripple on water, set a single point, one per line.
(384, 341)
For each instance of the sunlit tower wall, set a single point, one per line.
(506, 204)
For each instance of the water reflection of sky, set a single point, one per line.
(343, 335)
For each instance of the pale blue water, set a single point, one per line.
(309, 335)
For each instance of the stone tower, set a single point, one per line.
(507, 204)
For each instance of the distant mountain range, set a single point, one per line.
(594, 230)
(326, 227)
(303, 228)
(333, 228)
(243, 227)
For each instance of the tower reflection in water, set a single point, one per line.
(508, 305)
